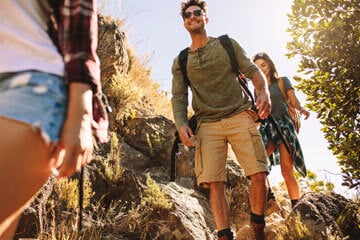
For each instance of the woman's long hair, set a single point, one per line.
(273, 72)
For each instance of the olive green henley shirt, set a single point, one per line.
(216, 93)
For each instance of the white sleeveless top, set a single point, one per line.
(24, 41)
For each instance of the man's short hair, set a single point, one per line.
(185, 5)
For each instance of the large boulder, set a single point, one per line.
(112, 48)
(152, 136)
(324, 214)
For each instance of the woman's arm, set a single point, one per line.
(75, 147)
(294, 101)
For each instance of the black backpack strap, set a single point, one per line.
(227, 44)
(174, 151)
(183, 56)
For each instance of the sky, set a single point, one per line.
(155, 29)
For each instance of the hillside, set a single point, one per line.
(127, 189)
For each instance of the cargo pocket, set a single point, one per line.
(198, 159)
(259, 148)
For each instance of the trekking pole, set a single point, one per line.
(81, 199)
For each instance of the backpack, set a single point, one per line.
(183, 55)
(226, 43)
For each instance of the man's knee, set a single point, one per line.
(217, 187)
(258, 177)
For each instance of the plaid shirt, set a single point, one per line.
(73, 27)
(269, 134)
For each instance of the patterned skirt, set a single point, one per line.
(269, 134)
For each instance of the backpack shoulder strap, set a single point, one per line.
(226, 42)
(183, 56)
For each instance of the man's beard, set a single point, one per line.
(199, 30)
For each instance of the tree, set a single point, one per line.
(326, 34)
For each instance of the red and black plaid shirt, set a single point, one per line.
(74, 28)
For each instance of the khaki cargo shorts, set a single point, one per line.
(212, 141)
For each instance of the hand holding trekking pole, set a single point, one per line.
(75, 147)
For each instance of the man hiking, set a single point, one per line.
(223, 113)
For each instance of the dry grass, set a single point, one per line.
(67, 191)
(296, 230)
(135, 88)
(110, 7)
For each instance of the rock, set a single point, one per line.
(34, 219)
(112, 48)
(324, 214)
(152, 136)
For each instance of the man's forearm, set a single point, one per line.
(260, 83)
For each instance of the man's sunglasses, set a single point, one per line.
(197, 13)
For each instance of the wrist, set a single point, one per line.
(80, 99)
(263, 91)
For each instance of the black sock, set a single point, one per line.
(226, 232)
(259, 219)
(294, 202)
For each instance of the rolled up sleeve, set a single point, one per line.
(179, 98)
(78, 36)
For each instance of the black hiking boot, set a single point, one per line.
(258, 230)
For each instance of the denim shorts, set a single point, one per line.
(36, 98)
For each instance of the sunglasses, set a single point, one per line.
(197, 13)
(261, 55)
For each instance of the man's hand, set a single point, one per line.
(186, 136)
(263, 104)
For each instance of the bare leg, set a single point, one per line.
(219, 205)
(10, 230)
(270, 148)
(24, 168)
(258, 193)
(287, 171)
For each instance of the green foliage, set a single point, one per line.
(347, 220)
(112, 172)
(326, 34)
(114, 154)
(311, 184)
(68, 192)
(155, 141)
(153, 196)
